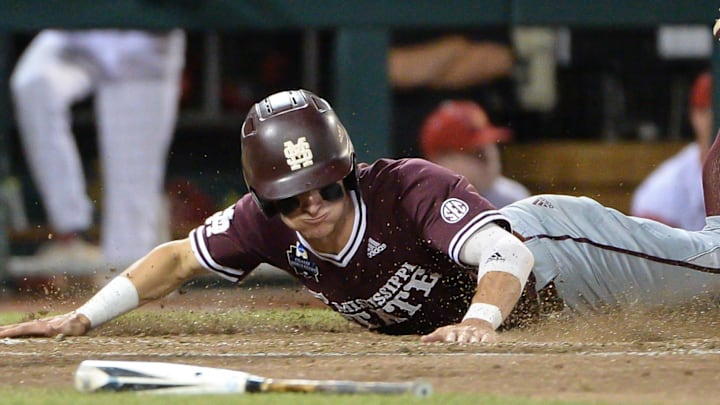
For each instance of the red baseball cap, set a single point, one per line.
(459, 125)
(701, 91)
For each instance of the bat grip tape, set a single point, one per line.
(116, 298)
(254, 384)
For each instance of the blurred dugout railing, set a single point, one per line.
(360, 91)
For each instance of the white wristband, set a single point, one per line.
(486, 312)
(116, 298)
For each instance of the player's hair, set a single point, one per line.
(293, 142)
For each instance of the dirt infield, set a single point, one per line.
(630, 357)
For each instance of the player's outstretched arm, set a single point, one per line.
(497, 294)
(154, 276)
(504, 264)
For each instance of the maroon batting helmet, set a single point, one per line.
(293, 142)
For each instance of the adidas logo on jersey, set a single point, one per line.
(495, 257)
(374, 248)
(543, 203)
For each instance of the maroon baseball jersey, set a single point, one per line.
(399, 273)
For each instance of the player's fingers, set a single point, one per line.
(465, 336)
(33, 328)
(438, 335)
(10, 330)
(490, 337)
(431, 337)
(456, 334)
(473, 335)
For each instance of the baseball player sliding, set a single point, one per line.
(406, 246)
(134, 77)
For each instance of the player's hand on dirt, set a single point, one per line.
(469, 331)
(70, 324)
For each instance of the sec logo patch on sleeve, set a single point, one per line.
(452, 210)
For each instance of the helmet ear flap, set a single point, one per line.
(266, 206)
(351, 181)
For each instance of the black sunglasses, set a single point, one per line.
(331, 192)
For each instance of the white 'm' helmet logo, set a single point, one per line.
(298, 154)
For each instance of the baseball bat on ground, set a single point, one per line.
(170, 378)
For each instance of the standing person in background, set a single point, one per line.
(673, 193)
(135, 78)
(460, 136)
(426, 67)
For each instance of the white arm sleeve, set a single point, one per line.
(492, 248)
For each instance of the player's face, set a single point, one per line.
(316, 214)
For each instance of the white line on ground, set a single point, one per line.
(691, 352)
